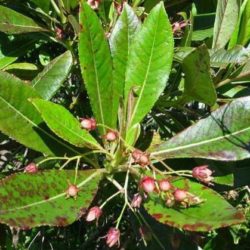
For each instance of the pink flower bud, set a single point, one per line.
(31, 168)
(164, 185)
(180, 195)
(88, 124)
(113, 237)
(203, 174)
(111, 136)
(147, 184)
(137, 200)
(94, 4)
(72, 191)
(142, 158)
(94, 213)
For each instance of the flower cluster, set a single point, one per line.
(141, 158)
(88, 123)
(172, 196)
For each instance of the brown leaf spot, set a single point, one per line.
(239, 216)
(157, 216)
(61, 221)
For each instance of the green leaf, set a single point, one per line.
(224, 136)
(120, 42)
(96, 67)
(235, 35)
(225, 21)
(51, 78)
(22, 66)
(64, 124)
(20, 120)
(200, 35)
(149, 63)
(198, 81)
(31, 200)
(12, 22)
(244, 31)
(215, 212)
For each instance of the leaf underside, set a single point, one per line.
(31, 200)
(224, 136)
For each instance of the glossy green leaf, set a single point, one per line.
(224, 136)
(120, 42)
(31, 200)
(149, 63)
(64, 124)
(21, 121)
(215, 212)
(96, 66)
(12, 22)
(51, 78)
(22, 66)
(198, 81)
(225, 21)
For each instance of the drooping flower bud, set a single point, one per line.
(113, 237)
(72, 191)
(94, 213)
(94, 4)
(137, 200)
(111, 135)
(180, 195)
(147, 184)
(142, 158)
(203, 174)
(88, 123)
(31, 168)
(164, 185)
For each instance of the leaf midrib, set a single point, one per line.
(146, 75)
(35, 125)
(96, 75)
(200, 143)
(51, 198)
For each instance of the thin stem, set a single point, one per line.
(76, 169)
(55, 7)
(110, 198)
(228, 80)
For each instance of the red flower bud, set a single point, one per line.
(111, 135)
(88, 123)
(203, 174)
(180, 195)
(147, 184)
(137, 200)
(142, 158)
(164, 185)
(94, 213)
(31, 168)
(113, 237)
(72, 191)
